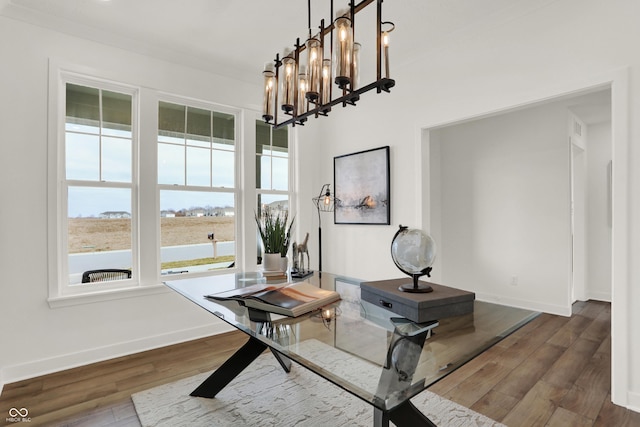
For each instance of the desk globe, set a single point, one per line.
(413, 251)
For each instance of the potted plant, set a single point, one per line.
(275, 236)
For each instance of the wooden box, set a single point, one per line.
(418, 307)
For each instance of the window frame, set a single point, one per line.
(58, 270)
(146, 232)
(289, 192)
(236, 190)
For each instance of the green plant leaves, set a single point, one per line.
(275, 234)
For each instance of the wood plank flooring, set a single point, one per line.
(555, 371)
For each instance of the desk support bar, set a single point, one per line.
(283, 360)
(405, 415)
(230, 369)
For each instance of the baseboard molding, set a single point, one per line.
(11, 374)
(633, 401)
(526, 304)
(598, 296)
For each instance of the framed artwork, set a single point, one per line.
(362, 187)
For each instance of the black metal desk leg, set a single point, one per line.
(230, 369)
(380, 418)
(408, 415)
(284, 361)
(405, 415)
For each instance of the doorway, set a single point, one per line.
(510, 201)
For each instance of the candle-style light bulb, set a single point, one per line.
(313, 69)
(326, 81)
(287, 90)
(385, 46)
(303, 86)
(269, 79)
(343, 50)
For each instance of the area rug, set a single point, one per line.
(264, 395)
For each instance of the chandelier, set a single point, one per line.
(301, 83)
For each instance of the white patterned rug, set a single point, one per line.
(264, 395)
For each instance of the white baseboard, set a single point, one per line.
(10, 374)
(633, 400)
(599, 296)
(526, 304)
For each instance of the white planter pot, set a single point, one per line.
(284, 263)
(271, 262)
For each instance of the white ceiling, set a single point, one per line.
(237, 38)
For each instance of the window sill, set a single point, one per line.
(106, 295)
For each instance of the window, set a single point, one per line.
(196, 177)
(272, 170)
(98, 186)
(150, 189)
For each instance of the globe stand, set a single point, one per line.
(416, 287)
(416, 266)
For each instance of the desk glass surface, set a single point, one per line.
(356, 347)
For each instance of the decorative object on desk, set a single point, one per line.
(299, 251)
(419, 307)
(413, 252)
(301, 89)
(275, 276)
(325, 202)
(275, 236)
(362, 182)
(289, 299)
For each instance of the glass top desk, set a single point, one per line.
(370, 352)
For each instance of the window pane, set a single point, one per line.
(263, 137)
(116, 114)
(223, 128)
(170, 164)
(223, 169)
(82, 156)
(198, 166)
(199, 123)
(116, 159)
(99, 230)
(280, 141)
(280, 173)
(194, 227)
(198, 141)
(171, 139)
(276, 203)
(83, 107)
(171, 119)
(263, 172)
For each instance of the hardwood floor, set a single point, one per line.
(555, 371)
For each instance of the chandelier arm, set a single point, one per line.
(309, 16)
(275, 98)
(379, 42)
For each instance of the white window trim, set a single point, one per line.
(291, 193)
(149, 280)
(60, 293)
(237, 189)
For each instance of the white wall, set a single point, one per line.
(504, 208)
(560, 47)
(598, 278)
(35, 338)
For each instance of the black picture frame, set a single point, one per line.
(362, 187)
